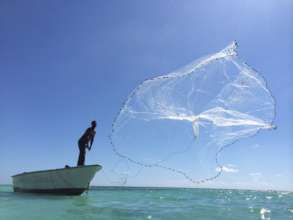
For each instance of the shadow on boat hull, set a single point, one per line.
(66, 192)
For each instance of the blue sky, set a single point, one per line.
(64, 63)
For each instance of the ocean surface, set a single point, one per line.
(148, 203)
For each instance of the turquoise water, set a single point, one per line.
(148, 203)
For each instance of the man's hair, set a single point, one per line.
(93, 123)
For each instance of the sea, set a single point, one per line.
(105, 203)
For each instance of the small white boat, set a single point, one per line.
(65, 181)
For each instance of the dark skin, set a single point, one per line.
(87, 138)
(86, 142)
(90, 136)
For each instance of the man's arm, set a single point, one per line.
(92, 141)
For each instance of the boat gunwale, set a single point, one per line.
(59, 169)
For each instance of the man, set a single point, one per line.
(86, 141)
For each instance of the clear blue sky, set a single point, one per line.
(64, 63)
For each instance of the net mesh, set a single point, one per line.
(182, 121)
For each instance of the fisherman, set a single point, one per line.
(86, 141)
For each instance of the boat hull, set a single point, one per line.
(67, 181)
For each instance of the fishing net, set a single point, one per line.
(180, 122)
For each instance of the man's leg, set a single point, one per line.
(81, 157)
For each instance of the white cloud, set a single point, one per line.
(230, 168)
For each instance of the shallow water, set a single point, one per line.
(148, 203)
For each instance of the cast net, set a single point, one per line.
(181, 122)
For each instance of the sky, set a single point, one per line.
(65, 63)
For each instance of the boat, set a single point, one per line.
(64, 181)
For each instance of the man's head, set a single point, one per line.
(94, 124)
